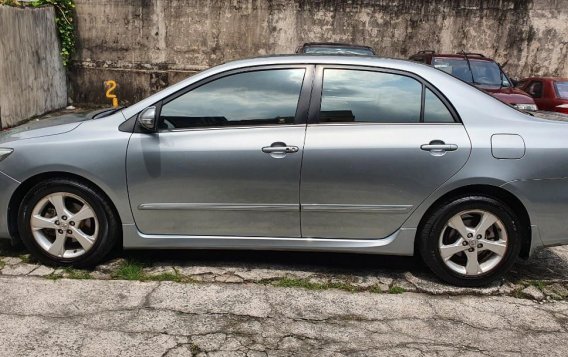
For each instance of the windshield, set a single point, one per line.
(484, 72)
(338, 51)
(562, 89)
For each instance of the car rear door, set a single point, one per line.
(226, 160)
(378, 143)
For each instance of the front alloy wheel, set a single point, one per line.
(64, 225)
(67, 222)
(470, 240)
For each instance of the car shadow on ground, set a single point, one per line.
(546, 264)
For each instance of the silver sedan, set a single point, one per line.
(318, 153)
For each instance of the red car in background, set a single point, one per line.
(482, 72)
(550, 94)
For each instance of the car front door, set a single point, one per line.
(378, 144)
(226, 159)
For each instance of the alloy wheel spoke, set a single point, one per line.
(498, 247)
(58, 246)
(85, 240)
(58, 201)
(456, 222)
(448, 251)
(38, 222)
(472, 267)
(85, 213)
(486, 221)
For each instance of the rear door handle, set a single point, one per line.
(438, 146)
(280, 148)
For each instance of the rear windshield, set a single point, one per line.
(482, 72)
(562, 89)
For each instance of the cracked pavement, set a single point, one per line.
(105, 317)
(241, 303)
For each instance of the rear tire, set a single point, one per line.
(65, 222)
(470, 240)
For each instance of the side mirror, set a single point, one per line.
(147, 118)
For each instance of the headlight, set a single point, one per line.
(562, 106)
(4, 153)
(528, 107)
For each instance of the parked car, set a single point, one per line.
(306, 153)
(482, 72)
(333, 48)
(549, 93)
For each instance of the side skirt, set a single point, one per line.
(399, 243)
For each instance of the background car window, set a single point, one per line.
(364, 96)
(562, 89)
(535, 89)
(435, 111)
(251, 98)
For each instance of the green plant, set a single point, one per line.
(129, 270)
(396, 290)
(64, 15)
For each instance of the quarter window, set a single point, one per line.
(265, 97)
(435, 111)
(364, 96)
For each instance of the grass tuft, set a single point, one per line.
(129, 270)
(396, 290)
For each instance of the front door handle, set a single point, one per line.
(280, 148)
(438, 145)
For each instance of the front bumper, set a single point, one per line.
(7, 187)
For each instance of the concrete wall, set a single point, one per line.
(148, 44)
(32, 76)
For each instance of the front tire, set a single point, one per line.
(65, 222)
(470, 240)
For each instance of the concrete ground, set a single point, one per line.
(236, 303)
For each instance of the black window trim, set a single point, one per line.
(317, 87)
(301, 108)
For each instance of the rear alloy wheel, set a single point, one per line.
(66, 222)
(470, 241)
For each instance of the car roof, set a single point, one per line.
(293, 59)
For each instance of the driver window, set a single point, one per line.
(265, 97)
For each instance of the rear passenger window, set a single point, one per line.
(435, 111)
(363, 96)
(377, 97)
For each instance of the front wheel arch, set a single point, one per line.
(24, 187)
(492, 192)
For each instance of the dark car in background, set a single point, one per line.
(482, 72)
(333, 48)
(549, 93)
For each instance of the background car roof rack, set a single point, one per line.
(471, 54)
(426, 51)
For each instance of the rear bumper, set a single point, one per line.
(546, 201)
(7, 187)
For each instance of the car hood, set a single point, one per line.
(509, 95)
(49, 126)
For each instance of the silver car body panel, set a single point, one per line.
(96, 150)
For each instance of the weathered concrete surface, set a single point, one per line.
(111, 318)
(32, 76)
(148, 44)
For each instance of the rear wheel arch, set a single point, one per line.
(494, 192)
(28, 184)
